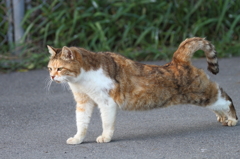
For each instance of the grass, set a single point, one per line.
(138, 29)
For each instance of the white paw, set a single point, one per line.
(73, 141)
(232, 122)
(102, 139)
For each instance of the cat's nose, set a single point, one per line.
(52, 77)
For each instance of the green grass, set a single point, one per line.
(138, 29)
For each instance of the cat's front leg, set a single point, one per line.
(108, 115)
(84, 110)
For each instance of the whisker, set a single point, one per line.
(46, 80)
(48, 83)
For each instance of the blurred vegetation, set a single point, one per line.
(138, 29)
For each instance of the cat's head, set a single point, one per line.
(64, 65)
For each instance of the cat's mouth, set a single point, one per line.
(57, 81)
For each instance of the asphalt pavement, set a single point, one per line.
(36, 122)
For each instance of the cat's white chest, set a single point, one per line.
(95, 83)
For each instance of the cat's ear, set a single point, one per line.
(51, 50)
(67, 53)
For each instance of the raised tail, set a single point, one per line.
(189, 46)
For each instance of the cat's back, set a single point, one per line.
(124, 70)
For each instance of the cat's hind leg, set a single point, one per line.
(221, 117)
(224, 109)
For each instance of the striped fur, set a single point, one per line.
(189, 46)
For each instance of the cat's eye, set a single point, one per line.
(49, 68)
(59, 69)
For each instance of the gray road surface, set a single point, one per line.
(35, 123)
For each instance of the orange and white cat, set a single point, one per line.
(109, 81)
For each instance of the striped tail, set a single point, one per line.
(189, 46)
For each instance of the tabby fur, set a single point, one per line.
(109, 80)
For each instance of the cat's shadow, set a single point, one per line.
(173, 132)
(170, 132)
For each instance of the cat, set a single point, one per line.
(109, 80)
